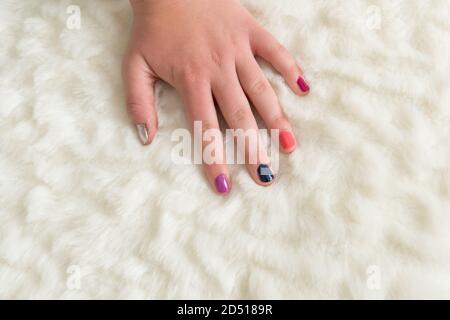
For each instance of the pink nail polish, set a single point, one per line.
(302, 84)
(222, 184)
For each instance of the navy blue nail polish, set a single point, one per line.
(264, 173)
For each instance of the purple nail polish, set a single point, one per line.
(302, 84)
(222, 184)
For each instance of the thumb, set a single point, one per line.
(139, 86)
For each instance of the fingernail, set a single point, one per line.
(302, 84)
(287, 140)
(142, 133)
(264, 173)
(222, 184)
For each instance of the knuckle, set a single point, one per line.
(293, 67)
(278, 49)
(217, 58)
(207, 126)
(191, 75)
(240, 114)
(279, 120)
(259, 86)
(134, 108)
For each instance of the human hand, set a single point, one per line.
(206, 49)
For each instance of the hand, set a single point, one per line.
(206, 49)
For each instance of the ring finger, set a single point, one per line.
(237, 112)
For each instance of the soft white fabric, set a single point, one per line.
(361, 210)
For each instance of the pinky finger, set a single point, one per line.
(267, 47)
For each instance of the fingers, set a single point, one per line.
(268, 48)
(237, 112)
(202, 114)
(263, 97)
(139, 90)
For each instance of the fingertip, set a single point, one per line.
(303, 87)
(265, 175)
(288, 142)
(145, 133)
(142, 133)
(222, 184)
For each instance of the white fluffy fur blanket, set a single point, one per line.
(361, 210)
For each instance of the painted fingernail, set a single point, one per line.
(302, 84)
(264, 173)
(222, 184)
(142, 133)
(287, 140)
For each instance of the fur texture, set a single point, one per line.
(361, 210)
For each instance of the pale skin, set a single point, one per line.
(206, 50)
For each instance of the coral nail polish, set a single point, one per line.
(264, 173)
(222, 184)
(302, 84)
(287, 140)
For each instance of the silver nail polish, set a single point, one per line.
(142, 133)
